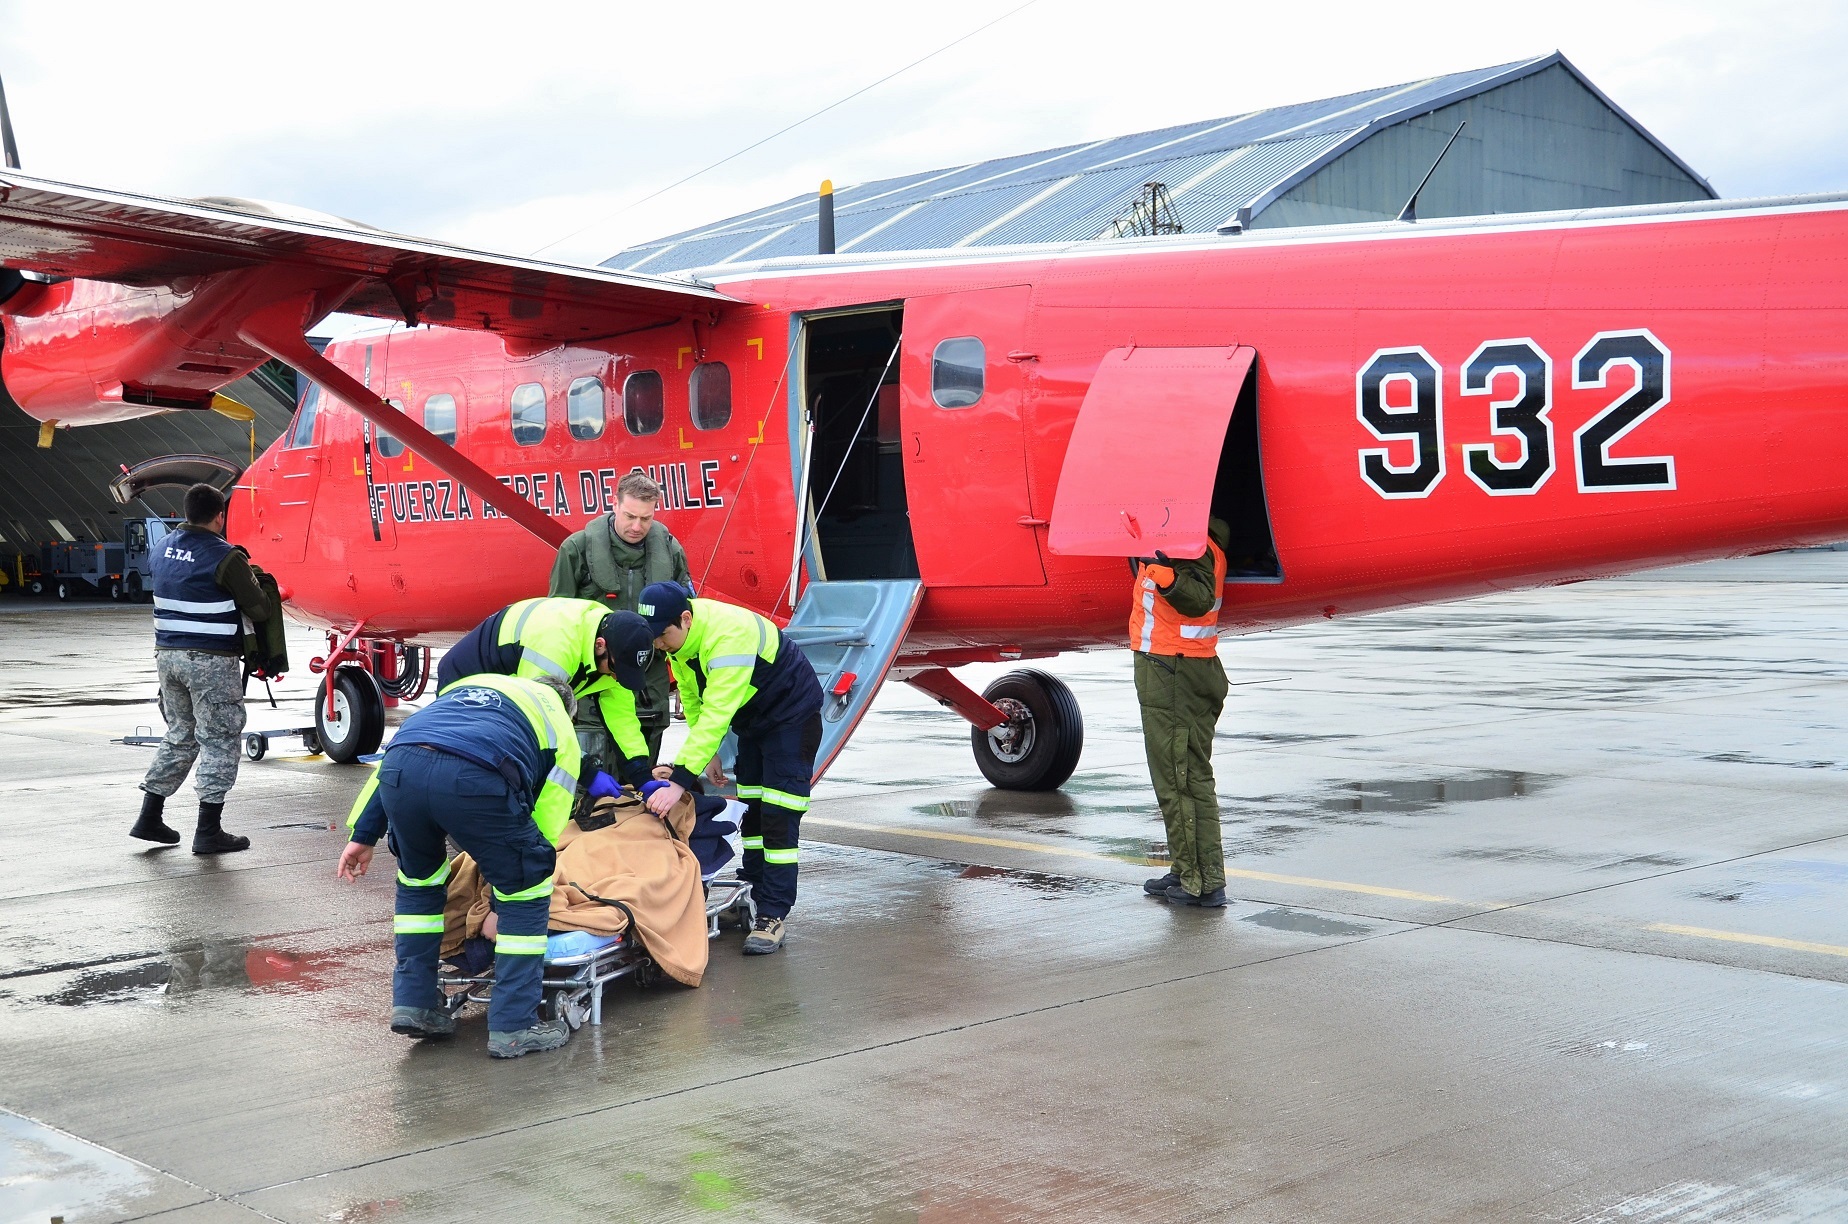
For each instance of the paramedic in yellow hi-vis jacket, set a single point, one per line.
(1174, 630)
(603, 656)
(737, 672)
(492, 763)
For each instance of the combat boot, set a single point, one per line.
(150, 826)
(546, 1035)
(422, 1022)
(1180, 896)
(210, 837)
(765, 937)
(1159, 886)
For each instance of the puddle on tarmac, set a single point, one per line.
(232, 965)
(49, 1175)
(1015, 808)
(1048, 887)
(1752, 758)
(1521, 854)
(1285, 919)
(1421, 794)
(1783, 880)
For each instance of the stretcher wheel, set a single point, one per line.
(311, 741)
(255, 746)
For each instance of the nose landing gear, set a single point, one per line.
(356, 725)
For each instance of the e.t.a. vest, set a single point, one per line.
(191, 611)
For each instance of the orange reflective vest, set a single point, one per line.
(1154, 625)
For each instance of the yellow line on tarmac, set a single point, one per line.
(1373, 890)
(1769, 941)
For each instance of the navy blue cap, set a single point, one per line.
(662, 603)
(626, 636)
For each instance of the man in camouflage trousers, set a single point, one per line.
(203, 587)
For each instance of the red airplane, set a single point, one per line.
(928, 459)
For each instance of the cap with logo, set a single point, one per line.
(631, 645)
(662, 603)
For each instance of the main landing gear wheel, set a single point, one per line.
(358, 724)
(1038, 747)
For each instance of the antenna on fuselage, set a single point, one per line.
(6, 131)
(1410, 211)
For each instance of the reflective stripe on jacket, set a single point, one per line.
(544, 759)
(1156, 627)
(191, 611)
(552, 636)
(737, 671)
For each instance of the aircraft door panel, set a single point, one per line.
(962, 384)
(1145, 452)
(292, 482)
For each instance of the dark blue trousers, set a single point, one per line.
(773, 772)
(426, 794)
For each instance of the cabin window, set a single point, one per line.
(440, 417)
(956, 372)
(709, 389)
(303, 433)
(390, 447)
(584, 408)
(528, 406)
(643, 408)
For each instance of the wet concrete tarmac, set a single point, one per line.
(1541, 913)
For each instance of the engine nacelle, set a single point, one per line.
(86, 352)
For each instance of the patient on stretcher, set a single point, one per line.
(654, 868)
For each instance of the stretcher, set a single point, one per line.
(578, 965)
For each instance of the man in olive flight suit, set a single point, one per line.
(1174, 630)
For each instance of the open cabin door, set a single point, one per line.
(851, 631)
(1157, 450)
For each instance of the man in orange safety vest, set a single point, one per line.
(1174, 630)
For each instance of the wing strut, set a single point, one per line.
(277, 330)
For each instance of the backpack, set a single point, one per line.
(266, 646)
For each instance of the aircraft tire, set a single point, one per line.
(358, 725)
(1040, 746)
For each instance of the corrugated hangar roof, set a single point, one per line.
(1212, 169)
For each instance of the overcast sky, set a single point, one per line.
(510, 126)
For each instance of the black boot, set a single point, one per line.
(150, 827)
(209, 838)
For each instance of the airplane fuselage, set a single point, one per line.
(1441, 411)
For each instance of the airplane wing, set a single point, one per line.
(65, 230)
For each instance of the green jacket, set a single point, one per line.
(556, 791)
(596, 563)
(1193, 591)
(716, 666)
(559, 637)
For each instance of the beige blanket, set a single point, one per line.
(636, 861)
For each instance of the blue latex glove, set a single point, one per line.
(604, 787)
(637, 770)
